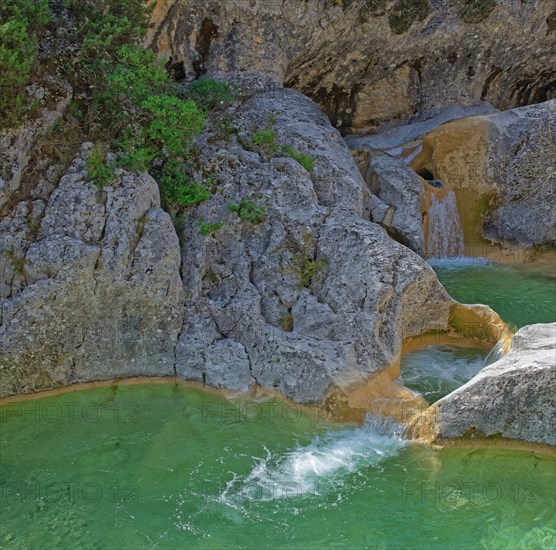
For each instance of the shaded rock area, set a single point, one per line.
(90, 284)
(368, 62)
(512, 398)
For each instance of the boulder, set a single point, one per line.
(512, 398)
(315, 297)
(93, 291)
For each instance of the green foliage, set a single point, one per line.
(206, 229)
(474, 11)
(264, 141)
(20, 21)
(178, 189)
(252, 209)
(101, 172)
(18, 263)
(305, 265)
(405, 13)
(150, 125)
(306, 161)
(211, 95)
(106, 25)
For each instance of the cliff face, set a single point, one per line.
(367, 62)
(90, 284)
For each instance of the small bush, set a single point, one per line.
(250, 209)
(100, 172)
(305, 265)
(206, 229)
(211, 95)
(264, 141)
(405, 13)
(286, 322)
(306, 161)
(20, 21)
(474, 11)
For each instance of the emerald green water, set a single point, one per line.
(520, 294)
(436, 371)
(163, 466)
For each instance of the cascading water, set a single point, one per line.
(445, 234)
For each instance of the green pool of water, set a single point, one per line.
(520, 294)
(163, 466)
(436, 371)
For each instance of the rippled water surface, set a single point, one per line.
(520, 294)
(163, 466)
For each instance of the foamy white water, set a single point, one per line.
(436, 371)
(310, 469)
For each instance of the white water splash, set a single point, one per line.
(445, 235)
(310, 469)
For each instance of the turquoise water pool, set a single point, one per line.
(520, 294)
(164, 466)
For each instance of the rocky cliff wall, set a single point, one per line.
(368, 62)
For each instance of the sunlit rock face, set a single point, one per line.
(363, 63)
(512, 398)
(502, 168)
(93, 292)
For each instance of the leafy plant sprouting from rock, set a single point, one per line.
(474, 11)
(304, 264)
(206, 229)
(251, 209)
(286, 322)
(305, 160)
(100, 172)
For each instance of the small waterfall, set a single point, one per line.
(445, 234)
(498, 351)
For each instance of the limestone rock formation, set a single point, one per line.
(505, 163)
(90, 285)
(512, 398)
(369, 62)
(253, 312)
(402, 191)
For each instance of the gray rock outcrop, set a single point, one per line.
(513, 398)
(251, 314)
(90, 285)
(402, 191)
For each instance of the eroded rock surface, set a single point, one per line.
(506, 161)
(369, 62)
(90, 285)
(513, 398)
(251, 316)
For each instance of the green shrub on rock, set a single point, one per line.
(19, 22)
(474, 11)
